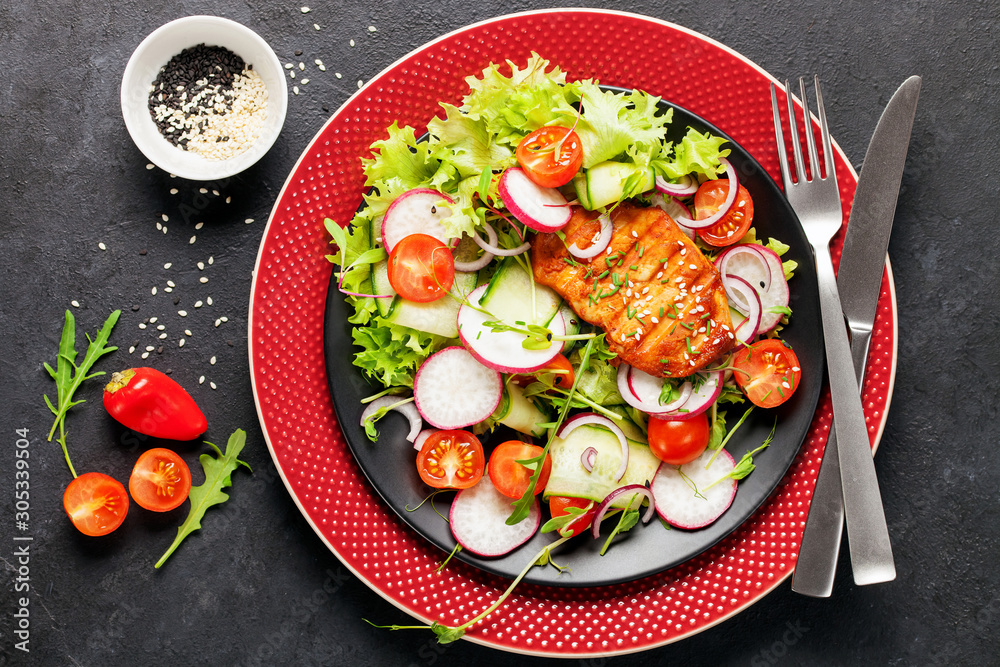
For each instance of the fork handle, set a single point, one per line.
(867, 533)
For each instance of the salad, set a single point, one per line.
(612, 354)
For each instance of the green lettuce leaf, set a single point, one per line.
(696, 153)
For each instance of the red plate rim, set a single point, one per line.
(297, 423)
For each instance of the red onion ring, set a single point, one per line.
(602, 509)
(726, 206)
(744, 249)
(737, 285)
(480, 262)
(593, 418)
(491, 246)
(408, 410)
(418, 442)
(687, 186)
(598, 246)
(587, 459)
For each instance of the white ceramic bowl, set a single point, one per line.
(156, 50)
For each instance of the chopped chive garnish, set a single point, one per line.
(688, 325)
(603, 275)
(634, 267)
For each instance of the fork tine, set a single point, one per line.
(810, 135)
(831, 170)
(779, 139)
(793, 130)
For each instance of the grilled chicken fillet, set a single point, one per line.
(659, 299)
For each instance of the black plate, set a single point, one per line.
(389, 463)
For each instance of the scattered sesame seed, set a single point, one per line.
(187, 332)
(302, 67)
(338, 75)
(167, 266)
(102, 246)
(305, 81)
(197, 304)
(165, 217)
(203, 280)
(295, 89)
(360, 83)
(164, 229)
(145, 355)
(645, 290)
(316, 25)
(215, 192)
(291, 74)
(322, 68)
(635, 234)
(160, 327)
(174, 191)
(75, 303)
(628, 292)
(318, 62)
(173, 175)
(659, 275)
(289, 65)
(142, 325)
(218, 322)
(229, 199)
(372, 28)
(131, 349)
(224, 318)
(212, 385)
(201, 380)
(201, 266)
(684, 251)
(182, 313)
(654, 320)
(796, 369)
(211, 260)
(162, 336)
(693, 267)
(203, 191)
(170, 283)
(192, 240)
(149, 166)
(212, 361)
(159, 225)
(209, 301)
(150, 348)
(168, 289)
(199, 225)
(248, 220)
(180, 343)
(352, 42)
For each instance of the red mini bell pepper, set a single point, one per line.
(149, 402)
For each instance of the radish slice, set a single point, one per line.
(754, 313)
(642, 391)
(678, 503)
(478, 520)
(542, 209)
(688, 185)
(492, 247)
(602, 508)
(417, 211)
(599, 244)
(421, 438)
(592, 418)
(502, 350)
(408, 410)
(435, 383)
(723, 210)
(704, 393)
(746, 261)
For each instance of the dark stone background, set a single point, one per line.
(71, 177)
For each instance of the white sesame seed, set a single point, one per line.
(211, 260)
(628, 292)
(786, 385)
(131, 349)
(318, 62)
(160, 327)
(691, 362)
(654, 320)
(731, 336)
(352, 42)
(295, 89)
(170, 283)
(187, 332)
(693, 267)
(659, 275)
(372, 28)
(248, 221)
(197, 304)
(159, 225)
(360, 83)
(201, 266)
(203, 191)
(322, 68)
(338, 75)
(212, 361)
(152, 320)
(174, 191)
(165, 217)
(700, 309)
(701, 330)
(635, 234)
(102, 246)
(75, 303)
(173, 175)
(795, 368)
(305, 81)
(302, 67)
(209, 301)
(192, 240)
(150, 348)
(316, 25)
(168, 289)
(229, 199)
(649, 298)
(305, 10)
(217, 323)
(149, 166)
(180, 343)
(203, 280)
(167, 266)
(182, 313)
(684, 251)
(291, 74)
(199, 225)
(212, 385)
(142, 325)
(645, 290)
(162, 336)
(145, 355)
(224, 318)
(289, 65)
(201, 380)
(164, 229)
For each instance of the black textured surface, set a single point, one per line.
(257, 586)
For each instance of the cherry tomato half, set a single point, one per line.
(768, 372)
(549, 157)
(558, 505)
(707, 202)
(510, 477)
(421, 268)
(451, 460)
(150, 402)
(678, 441)
(160, 480)
(95, 503)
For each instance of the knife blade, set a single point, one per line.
(859, 281)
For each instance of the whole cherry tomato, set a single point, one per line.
(150, 402)
(678, 441)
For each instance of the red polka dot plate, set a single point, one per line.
(286, 334)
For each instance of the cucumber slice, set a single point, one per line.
(569, 477)
(521, 413)
(509, 296)
(605, 184)
(380, 285)
(436, 317)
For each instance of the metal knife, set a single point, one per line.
(859, 281)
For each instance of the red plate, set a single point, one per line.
(290, 382)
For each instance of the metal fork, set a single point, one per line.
(816, 200)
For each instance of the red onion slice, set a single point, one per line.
(737, 286)
(724, 209)
(587, 459)
(491, 246)
(599, 245)
(602, 509)
(408, 410)
(593, 418)
(688, 185)
(418, 442)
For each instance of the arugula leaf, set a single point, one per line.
(718, 430)
(69, 376)
(218, 475)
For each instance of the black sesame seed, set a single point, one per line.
(142, 252)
